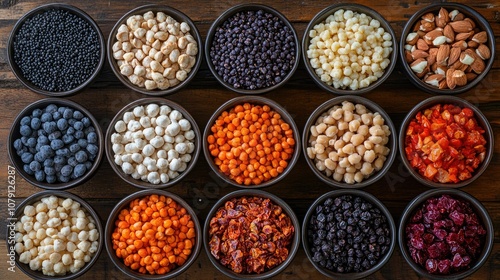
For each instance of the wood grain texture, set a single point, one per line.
(300, 96)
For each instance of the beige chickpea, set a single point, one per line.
(331, 131)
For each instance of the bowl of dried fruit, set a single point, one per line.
(448, 48)
(251, 234)
(445, 234)
(446, 142)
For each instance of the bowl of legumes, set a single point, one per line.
(251, 142)
(349, 142)
(348, 234)
(252, 49)
(57, 236)
(447, 48)
(155, 50)
(349, 49)
(153, 234)
(55, 144)
(251, 216)
(446, 142)
(153, 143)
(56, 50)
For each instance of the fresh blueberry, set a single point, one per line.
(56, 144)
(40, 157)
(62, 124)
(79, 170)
(92, 137)
(61, 109)
(79, 134)
(24, 140)
(67, 138)
(46, 117)
(59, 159)
(31, 142)
(47, 151)
(35, 165)
(72, 161)
(88, 165)
(42, 139)
(27, 157)
(26, 120)
(41, 132)
(83, 143)
(21, 151)
(36, 123)
(58, 167)
(49, 170)
(67, 170)
(68, 113)
(74, 148)
(18, 144)
(50, 179)
(40, 175)
(51, 108)
(89, 129)
(86, 121)
(78, 125)
(27, 169)
(63, 179)
(70, 130)
(77, 115)
(37, 113)
(56, 115)
(54, 135)
(48, 162)
(25, 130)
(49, 127)
(72, 121)
(63, 152)
(81, 156)
(93, 149)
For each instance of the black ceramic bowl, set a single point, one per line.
(477, 207)
(256, 100)
(19, 212)
(15, 134)
(110, 226)
(39, 10)
(467, 11)
(144, 102)
(320, 18)
(354, 193)
(373, 107)
(481, 120)
(179, 17)
(277, 201)
(228, 14)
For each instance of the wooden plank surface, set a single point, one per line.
(300, 96)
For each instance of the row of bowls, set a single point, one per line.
(202, 234)
(201, 142)
(320, 17)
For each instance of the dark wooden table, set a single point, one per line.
(300, 96)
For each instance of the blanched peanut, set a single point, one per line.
(346, 143)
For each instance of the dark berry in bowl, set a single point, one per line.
(445, 233)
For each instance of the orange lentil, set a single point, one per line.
(152, 233)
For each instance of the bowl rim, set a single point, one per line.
(320, 17)
(178, 16)
(446, 99)
(90, 211)
(375, 202)
(43, 103)
(374, 108)
(250, 7)
(479, 209)
(467, 10)
(110, 227)
(143, 102)
(38, 10)
(258, 100)
(276, 200)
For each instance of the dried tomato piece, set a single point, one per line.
(445, 144)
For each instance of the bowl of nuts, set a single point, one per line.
(447, 48)
(55, 144)
(349, 49)
(251, 142)
(254, 217)
(445, 234)
(349, 142)
(153, 234)
(153, 143)
(446, 142)
(155, 50)
(57, 236)
(47, 54)
(348, 234)
(252, 49)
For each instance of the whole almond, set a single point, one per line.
(431, 59)
(416, 54)
(449, 33)
(449, 79)
(443, 84)
(443, 18)
(429, 17)
(478, 66)
(461, 26)
(466, 57)
(480, 37)
(462, 45)
(454, 55)
(463, 36)
(472, 44)
(443, 55)
(471, 22)
(470, 76)
(459, 77)
(434, 79)
(431, 35)
(422, 45)
(408, 56)
(458, 17)
(483, 52)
